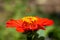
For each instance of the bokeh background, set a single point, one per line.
(17, 9)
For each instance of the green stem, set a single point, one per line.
(30, 35)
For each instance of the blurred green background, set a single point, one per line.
(17, 9)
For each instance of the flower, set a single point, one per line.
(29, 23)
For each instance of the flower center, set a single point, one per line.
(29, 19)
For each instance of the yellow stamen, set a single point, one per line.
(29, 19)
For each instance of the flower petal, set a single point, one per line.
(20, 29)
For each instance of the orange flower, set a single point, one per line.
(29, 24)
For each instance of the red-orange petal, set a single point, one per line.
(49, 23)
(18, 29)
(10, 23)
(14, 23)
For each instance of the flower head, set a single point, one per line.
(29, 23)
